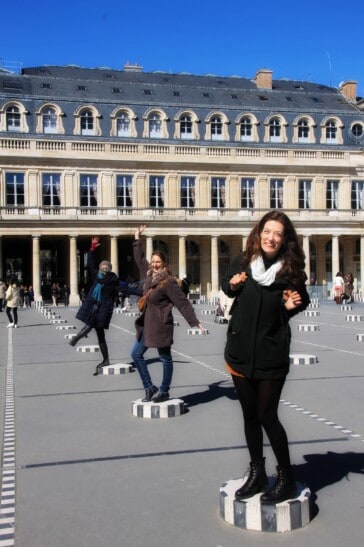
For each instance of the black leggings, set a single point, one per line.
(259, 400)
(100, 334)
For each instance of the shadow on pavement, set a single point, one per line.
(321, 470)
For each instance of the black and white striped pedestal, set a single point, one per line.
(355, 318)
(312, 313)
(117, 368)
(88, 349)
(251, 514)
(196, 331)
(167, 409)
(308, 328)
(346, 307)
(302, 359)
(208, 312)
(65, 327)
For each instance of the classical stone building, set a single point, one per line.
(198, 159)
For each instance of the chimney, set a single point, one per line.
(349, 89)
(132, 68)
(263, 78)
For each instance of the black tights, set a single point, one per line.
(259, 400)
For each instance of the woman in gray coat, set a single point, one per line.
(154, 328)
(268, 282)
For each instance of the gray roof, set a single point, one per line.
(71, 86)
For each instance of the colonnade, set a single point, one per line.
(211, 273)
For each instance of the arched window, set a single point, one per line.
(303, 130)
(87, 122)
(331, 131)
(13, 118)
(123, 125)
(155, 126)
(216, 128)
(275, 130)
(50, 121)
(186, 127)
(246, 129)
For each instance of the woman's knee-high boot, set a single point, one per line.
(105, 354)
(83, 332)
(256, 482)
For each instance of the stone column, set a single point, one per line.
(149, 248)
(361, 289)
(306, 250)
(182, 257)
(74, 296)
(36, 269)
(114, 254)
(1, 259)
(335, 256)
(214, 265)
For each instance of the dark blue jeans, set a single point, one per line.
(165, 356)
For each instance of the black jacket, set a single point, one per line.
(98, 315)
(259, 336)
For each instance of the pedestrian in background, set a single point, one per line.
(12, 303)
(2, 294)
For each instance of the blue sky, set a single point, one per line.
(315, 40)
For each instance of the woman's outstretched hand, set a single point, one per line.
(95, 242)
(139, 230)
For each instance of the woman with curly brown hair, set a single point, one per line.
(154, 328)
(268, 282)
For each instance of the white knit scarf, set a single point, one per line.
(261, 275)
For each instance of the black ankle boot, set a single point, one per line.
(83, 333)
(161, 397)
(284, 487)
(256, 482)
(149, 392)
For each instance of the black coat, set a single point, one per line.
(98, 315)
(259, 336)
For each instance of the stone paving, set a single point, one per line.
(79, 469)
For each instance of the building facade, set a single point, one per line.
(198, 159)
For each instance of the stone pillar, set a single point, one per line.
(1, 259)
(149, 248)
(244, 239)
(114, 254)
(36, 269)
(214, 265)
(335, 256)
(306, 250)
(361, 288)
(74, 296)
(182, 257)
